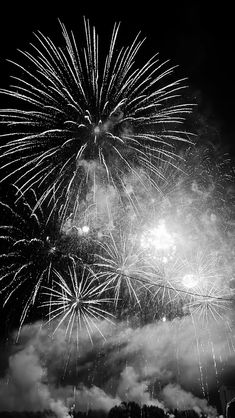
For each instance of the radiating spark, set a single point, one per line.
(209, 301)
(122, 265)
(32, 250)
(75, 107)
(77, 301)
(165, 282)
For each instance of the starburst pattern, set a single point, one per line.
(32, 246)
(122, 265)
(78, 300)
(75, 109)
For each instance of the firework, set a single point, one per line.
(77, 300)
(31, 246)
(122, 265)
(209, 300)
(208, 293)
(207, 188)
(160, 241)
(81, 120)
(111, 222)
(190, 281)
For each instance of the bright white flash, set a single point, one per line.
(190, 281)
(85, 229)
(158, 238)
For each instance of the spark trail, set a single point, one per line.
(75, 108)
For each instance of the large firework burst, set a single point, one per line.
(81, 119)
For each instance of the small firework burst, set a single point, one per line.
(209, 300)
(122, 265)
(207, 290)
(77, 301)
(164, 283)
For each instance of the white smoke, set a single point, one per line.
(132, 388)
(158, 358)
(25, 387)
(94, 398)
(177, 398)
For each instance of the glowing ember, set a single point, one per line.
(190, 281)
(85, 229)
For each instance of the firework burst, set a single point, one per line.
(31, 245)
(209, 301)
(122, 265)
(76, 109)
(203, 278)
(77, 300)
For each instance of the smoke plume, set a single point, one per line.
(167, 364)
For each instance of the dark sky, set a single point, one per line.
(196, 36)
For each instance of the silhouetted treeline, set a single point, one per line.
(124, 410)
(90, 414)
(51, 414)
(133, 410)
(28, 414)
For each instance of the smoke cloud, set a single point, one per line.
(167, 364)
(25, 386)
(94, 398)
(177, 398)
(132, 388)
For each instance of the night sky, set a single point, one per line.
(195, 37)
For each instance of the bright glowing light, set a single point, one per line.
(85, 229)
(159, 239)
(97, 130)
(190, 281)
